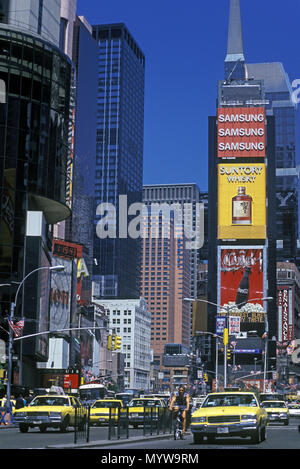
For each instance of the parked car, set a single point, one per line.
(229, 414)
(277, 411)
(50, 410)
(100, 411)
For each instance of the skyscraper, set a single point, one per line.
(242, 234)
(119, 160)
(278, 93)
(169, 266)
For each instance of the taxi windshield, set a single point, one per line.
(105, 404)
(49, 400)
(274, 404)
(230, 400)
(144, 403)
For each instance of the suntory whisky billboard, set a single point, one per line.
(241, 132)
(241, 201)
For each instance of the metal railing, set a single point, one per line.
(82, 424)
(149, 421)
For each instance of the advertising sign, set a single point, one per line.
(285, 304)
(241, 281)
(220, 324)
(234, 325)
(241, 201)
(241, 132)
(71, 381)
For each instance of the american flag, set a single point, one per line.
(17, 328)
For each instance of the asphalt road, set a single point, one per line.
(278, 437)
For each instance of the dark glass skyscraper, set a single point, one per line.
(278, 93)
(119, 160)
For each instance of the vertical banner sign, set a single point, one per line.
(234, 325)
(285, 304)
(220, 324)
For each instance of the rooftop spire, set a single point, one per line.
(235, 48)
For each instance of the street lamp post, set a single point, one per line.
(217, 353)
(57, 268)
(227, 311)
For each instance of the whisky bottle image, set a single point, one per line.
(242, 293)
(242, 208)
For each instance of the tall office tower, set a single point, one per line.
(169, 263)
(242, 232)
(278, 93)
(119, 160)
(85, 58)
(185, 194)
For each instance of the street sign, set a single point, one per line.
(220, 324)
(234, 325)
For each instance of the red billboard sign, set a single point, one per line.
(241, 275)
(241, 132)
(285, 305)
(71, 381)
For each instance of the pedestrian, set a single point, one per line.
(20, 402)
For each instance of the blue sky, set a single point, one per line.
(185, 46)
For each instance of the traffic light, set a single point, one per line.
(118, 342)
(205, 377)
(228, 354)
(109, 342)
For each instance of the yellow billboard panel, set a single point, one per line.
(241, 201)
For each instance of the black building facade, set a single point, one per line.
(34, 152)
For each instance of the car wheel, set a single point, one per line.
(23, 428)
(263, 434)
(64, 425)
(198, 439)
(256, 437)
(43, 428)
(286, 422)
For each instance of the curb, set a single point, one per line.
(110, 442)
(113, 442)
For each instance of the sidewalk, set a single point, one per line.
(97, 444)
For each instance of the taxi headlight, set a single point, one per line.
(283, 414)
(249, 418)
(198, 419)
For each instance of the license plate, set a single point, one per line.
(37, 422)
(223, 430)
(101, 420)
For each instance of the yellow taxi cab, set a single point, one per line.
(277, 411)
(103, 409)
(141, 408)
(51, 410)
(229, 414)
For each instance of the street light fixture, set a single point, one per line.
(227, 310)
(56, 268)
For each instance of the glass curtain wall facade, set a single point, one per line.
(119, 154)
(278, 92)
(33, 146)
